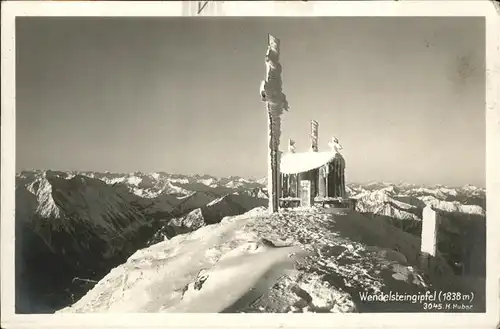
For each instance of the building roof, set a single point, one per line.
(293, 163)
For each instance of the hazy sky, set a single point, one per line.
(405, 96)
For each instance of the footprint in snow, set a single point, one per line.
(275, 244)
(200, 280)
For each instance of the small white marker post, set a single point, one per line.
(430, 223)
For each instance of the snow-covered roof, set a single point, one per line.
(292, 163)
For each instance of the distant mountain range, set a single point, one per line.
(82, 224)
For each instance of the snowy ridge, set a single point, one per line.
(211, 213)
(453, 206)
(152, 185)
(179, 194)
(210, 182)
(295, 261)
(440, 193)
(62, 201)
(407, 202)
(384, 202)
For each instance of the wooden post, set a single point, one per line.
(286, 187)
(314, 147)
(279, 177)
(314, 135)
(336, 180)
(272, 169)
(322, 182)
(342, 181)
(297, 186)
(327, 174)
(339, 173)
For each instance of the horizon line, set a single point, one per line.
(250, 178)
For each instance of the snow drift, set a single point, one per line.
(292, 163)
(293, 261)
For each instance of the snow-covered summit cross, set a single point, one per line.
(271, 92)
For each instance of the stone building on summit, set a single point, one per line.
(317, 176)
(324, 171)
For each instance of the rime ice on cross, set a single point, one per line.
(271, 92)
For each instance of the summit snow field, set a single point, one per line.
(302, 260)
(158, 242)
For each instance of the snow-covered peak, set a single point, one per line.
(46, 206)
(62, 200)
(454, 206)
(211, 182)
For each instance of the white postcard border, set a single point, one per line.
(281, 8)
